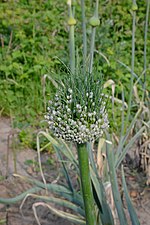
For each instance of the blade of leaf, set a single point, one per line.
(113, 180)
(62, 191)
(65, 170)
(123, 139)
(100, 199)
(99, 191)
(19, 197)
(89, 148)
(125, 150)
(133, 215)
(65, 215)
(58, 201)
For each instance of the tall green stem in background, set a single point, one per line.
(94, 22)
(92, 48)
(114, 184)
(134, 9)
(84, 35)
(86, 184)
(71, 23)
(145, 45)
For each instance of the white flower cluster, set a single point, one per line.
(74, 121)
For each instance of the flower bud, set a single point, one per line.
(94, 21)
(71, 21)
(134, 7)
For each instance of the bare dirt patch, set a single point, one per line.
(15, 162)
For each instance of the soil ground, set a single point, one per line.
(11, 186)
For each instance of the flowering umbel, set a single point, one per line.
(77, 113)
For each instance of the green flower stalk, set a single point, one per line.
(71, 23)
(134, 9)
(94, 22)
(84, 34)
(145, 45)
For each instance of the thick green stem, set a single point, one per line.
(132, 64)
(86, 184)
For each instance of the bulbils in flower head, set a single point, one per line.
(77, 118)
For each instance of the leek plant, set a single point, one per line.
(77, 117)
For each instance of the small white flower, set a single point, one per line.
(79, 123)
(54, 112)
(92, 126)
(70, 90)
(99, 121)
(78, 106)
(56, 98)
(91, 95)
(73, 122)
(65, 117)
(51, 117)
(67, 127)
(90, 114)
(50, 122)
(68, 110)
(83, 127)
(96, 127)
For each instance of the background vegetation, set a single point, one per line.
(33, 33)
(34, 44)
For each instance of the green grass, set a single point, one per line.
(31, 36)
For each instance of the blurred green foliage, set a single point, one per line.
(33, 32)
